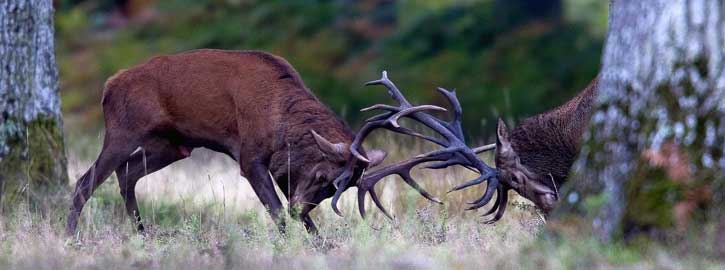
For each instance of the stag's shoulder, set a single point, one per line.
(281, 67)
(258, 60)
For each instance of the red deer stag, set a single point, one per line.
(534, 160)
(251, 106)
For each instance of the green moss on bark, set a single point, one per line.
(34, 169)
(651, 196)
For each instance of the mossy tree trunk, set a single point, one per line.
(652, 161)
(32, 157)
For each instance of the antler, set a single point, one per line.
(454, 151)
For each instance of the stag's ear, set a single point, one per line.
(503, 144)
(376, 156)
(332, 151)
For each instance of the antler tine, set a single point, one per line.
(455, 124)
(392, 89)
(490, 189)
(405, 109)
(378, 117)
(376, 200)
(501, 207)
(484, 148)
(341, 183)
(402, 169)
(444, 164)
(389, 125)
(380, 107)
(457, 160)
(476, 181)
(495, 203)
(408, 111)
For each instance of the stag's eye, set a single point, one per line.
(320, 177)
(517, 180)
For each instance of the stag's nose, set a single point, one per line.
(547, 201)
(295, 199)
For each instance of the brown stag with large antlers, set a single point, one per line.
(533, 161)
(249, 105)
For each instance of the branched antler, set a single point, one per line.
(454, 151)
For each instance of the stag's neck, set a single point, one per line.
(295, 141)
(304, 113)
(574, 115)
(548, 143)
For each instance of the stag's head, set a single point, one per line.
(330, 159)
(520, 178)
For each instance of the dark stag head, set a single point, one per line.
(522, 179)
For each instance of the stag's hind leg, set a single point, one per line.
(154, 155)
(115, 151)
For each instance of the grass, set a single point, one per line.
(200, 214)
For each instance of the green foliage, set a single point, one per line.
(505, 60)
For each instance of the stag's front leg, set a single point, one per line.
(309, 224)
(258, 176)
(304, 216)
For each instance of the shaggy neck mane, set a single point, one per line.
(304, 113)
(548, 143)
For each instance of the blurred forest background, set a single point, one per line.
(506, 58)
(511, 58)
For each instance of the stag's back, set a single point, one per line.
(208, 95)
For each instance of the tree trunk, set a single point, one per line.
(32, 157)
(652, 160)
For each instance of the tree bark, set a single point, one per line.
(32, 157)
(652, 160)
